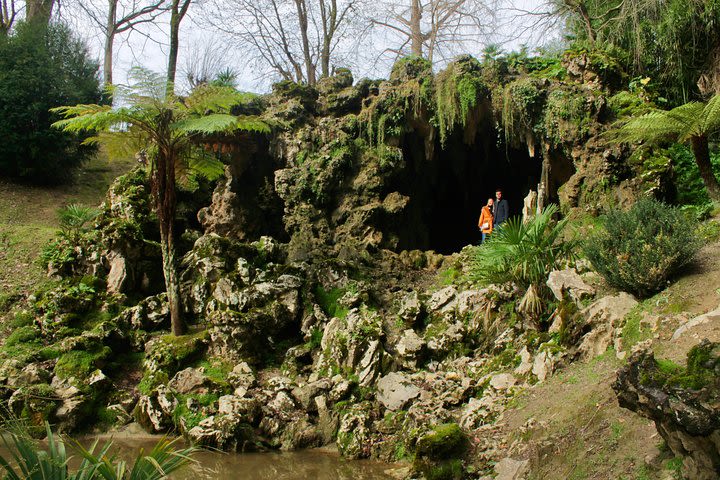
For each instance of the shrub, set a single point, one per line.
(638, 251)
(42, 67)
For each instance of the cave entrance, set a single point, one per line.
(448, 191)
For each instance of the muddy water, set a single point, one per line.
(320, 464)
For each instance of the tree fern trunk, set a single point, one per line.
(172, 286)
(702, 158)
(166, 202)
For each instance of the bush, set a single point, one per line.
(638, 251)
(42, 67)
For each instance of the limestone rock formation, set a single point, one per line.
(684, 403)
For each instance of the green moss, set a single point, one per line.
(328, 301)
(568, 115)
(217, 370)
(699, 372)
(151, 380)
(409, 67)
(445, 470)
(628, 104)
(22, 319)
(36, 406)
(193, 416)
(443, 441)
(632, 332)
(172, 352)
(79, 363)
(25, 334)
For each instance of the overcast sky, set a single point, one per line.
(148, 48)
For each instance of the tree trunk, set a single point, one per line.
(307, 54)
(177, 12)
(416, 41)
(166, 202)
(587, 21)
(39, 10)
(109, 40)
(702, 158)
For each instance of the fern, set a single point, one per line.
(692, 122)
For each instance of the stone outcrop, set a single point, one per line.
(682, 401)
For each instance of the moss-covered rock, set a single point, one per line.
(439, 452)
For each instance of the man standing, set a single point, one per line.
(501, 209)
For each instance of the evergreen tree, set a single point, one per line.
(41, 67)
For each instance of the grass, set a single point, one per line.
(28, 220)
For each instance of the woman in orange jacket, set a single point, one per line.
(485, 223)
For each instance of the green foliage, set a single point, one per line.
(28, 460)
(148, 120)
(328, 301)
(524, 253)
(42, 67)
(680, 124)
(638, 251)
(522, 105)
(671, 42)
(458, 91)
(73, 220)
(688, 183)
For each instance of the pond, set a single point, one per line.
(317, 464)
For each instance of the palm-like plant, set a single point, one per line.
(524, 252)
(168, 130)
(693, 122)
(29, 461)
(74, 219)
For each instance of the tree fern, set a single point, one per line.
(693, 122)
(170, 131)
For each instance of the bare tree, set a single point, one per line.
(433, 29)
(8, 13)
(114, 17)
(178, 10)
(295, 39)
(206, 61)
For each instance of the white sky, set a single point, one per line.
(148, 48)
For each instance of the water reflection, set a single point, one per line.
(308, 464)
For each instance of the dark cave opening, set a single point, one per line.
(448, 190)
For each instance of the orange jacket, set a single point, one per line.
(486, 217)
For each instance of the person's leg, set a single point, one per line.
(483, 237)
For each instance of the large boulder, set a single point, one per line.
(568, 280)
(605, 318)
(396, 391)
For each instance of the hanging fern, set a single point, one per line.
(459, 90)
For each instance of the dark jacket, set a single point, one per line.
(501, 211)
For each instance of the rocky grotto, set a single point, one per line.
(323, 277)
